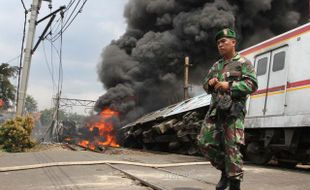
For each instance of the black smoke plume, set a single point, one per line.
(143, 70)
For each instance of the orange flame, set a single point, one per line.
(106, 131)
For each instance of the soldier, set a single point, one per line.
(230, 80)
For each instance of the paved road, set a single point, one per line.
(119, 176)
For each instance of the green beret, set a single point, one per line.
(226, 32)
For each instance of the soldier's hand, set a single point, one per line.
(224, 86)
(212, 82)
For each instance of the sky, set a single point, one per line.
(83, 42)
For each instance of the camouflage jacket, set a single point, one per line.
(239, 72)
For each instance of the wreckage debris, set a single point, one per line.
(174, 135)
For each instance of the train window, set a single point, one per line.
(278, 61)
(262, 66)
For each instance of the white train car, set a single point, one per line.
(279, 112)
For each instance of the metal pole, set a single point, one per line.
(51, 14)
(43, 33)
(186, 86)
(35, 7)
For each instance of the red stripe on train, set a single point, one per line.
(280, 88)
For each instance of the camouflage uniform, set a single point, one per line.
(222, 132)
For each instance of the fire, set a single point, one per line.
(87, 144)
(103, 131)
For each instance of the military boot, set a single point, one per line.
(234, 184)
(223, 183)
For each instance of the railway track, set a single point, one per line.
(137, 173)
(134, 173)
(167, 179)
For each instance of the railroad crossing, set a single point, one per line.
(118, 168)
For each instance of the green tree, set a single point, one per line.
(31, 105)
(7, 89)
(15, 134)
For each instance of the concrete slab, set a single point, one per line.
(164, 180)
(100, 177)
(255, 178)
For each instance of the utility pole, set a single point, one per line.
(186, 83)
(35, 7)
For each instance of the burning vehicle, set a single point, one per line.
(96, 132)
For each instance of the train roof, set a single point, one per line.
(181, 107)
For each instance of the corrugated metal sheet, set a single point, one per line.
(187, 105)
(191, 104)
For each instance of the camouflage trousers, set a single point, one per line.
(220, 142)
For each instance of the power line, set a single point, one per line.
(48, 65)
(75, 7)
(70, 22)
(57, 23)
(60, 62)
(52, 55)
(60, 79)
(70, 15)
(24, 6)
(21, 51)
(59, 57)
(70, 4)
(55, 48)
(13, 59)
(75, 15)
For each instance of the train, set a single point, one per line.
(277, 123)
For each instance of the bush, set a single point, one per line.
(15, 134)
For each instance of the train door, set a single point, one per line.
(276, 91)
(257, 100)
(269, 99)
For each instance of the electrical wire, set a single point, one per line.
(60, 52)
(70, 4)
(48, 65)
(52, 55)
(74, 9)
(57, 23)
(66, 26)
(60, 77)
(21, 51)
(70, 15)
(13, 59)
(24, 5)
